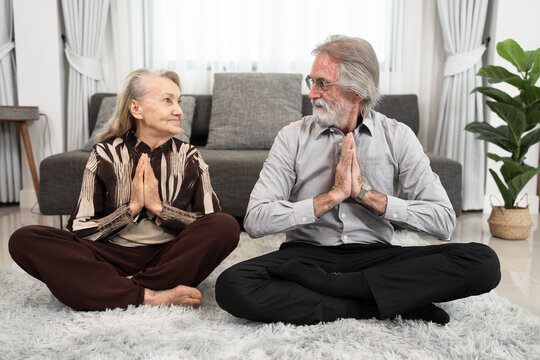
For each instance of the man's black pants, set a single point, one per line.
(400, 279)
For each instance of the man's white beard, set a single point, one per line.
(329, 115)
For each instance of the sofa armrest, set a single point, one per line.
(450, 173)
(61, 179)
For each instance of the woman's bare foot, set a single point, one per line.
(181, 295)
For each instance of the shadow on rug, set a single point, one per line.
(33, 324)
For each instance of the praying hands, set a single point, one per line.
(347, 183)
(144, 189)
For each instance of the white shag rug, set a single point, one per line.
(34, 325)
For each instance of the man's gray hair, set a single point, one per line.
(359, 67)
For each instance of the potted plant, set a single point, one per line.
(520, 114)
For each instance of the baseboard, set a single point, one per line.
(28, 199)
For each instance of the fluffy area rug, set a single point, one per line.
(34, 325)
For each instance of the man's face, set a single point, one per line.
(331, 106)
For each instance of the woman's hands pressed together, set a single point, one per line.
(144, 189)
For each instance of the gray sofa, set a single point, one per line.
(233, 172)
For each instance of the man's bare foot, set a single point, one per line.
(181, 295)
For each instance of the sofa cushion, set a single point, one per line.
(106, 112)
(108, 107)
(249, 109)
(233, 174)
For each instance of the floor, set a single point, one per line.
(520, 259)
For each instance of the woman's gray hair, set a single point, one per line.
(134, 88)
(359, 67)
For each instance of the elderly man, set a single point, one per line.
(330, 183)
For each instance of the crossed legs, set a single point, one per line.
(88, 275)
(399, 280)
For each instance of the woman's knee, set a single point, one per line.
(226, 227)
(22, 240)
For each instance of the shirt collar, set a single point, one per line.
(366, 123)
(132, 141)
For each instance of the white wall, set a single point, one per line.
(518, 21)
(40, 80)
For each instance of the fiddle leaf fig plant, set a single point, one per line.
(521, 115)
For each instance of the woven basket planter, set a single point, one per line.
(510, 224)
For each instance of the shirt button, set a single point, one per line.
(395, 215)
(343, 216)
(332, 130)
(304, 219)
(345, 237)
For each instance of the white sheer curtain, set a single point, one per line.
(10, 161)
(211, 36)
(122, 50)
(418, 61)
(199, 38)
(278, 36)
(85, 23)
(462, 24)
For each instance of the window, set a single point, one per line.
(199, 38)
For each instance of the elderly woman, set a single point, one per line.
(147, 227)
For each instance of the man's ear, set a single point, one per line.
(136, 109)
(357, 98)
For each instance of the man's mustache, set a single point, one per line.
(320, 102)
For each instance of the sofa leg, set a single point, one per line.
(59, 222)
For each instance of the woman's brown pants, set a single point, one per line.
(89, 275)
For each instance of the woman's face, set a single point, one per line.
(158, 113)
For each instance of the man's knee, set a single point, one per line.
(484, 265)
(227, 291)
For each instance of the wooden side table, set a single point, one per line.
(20, 115)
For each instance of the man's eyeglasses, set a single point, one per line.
(320, 83)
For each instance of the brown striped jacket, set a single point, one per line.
(103, 206)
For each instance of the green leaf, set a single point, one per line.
(530, 95)
(495, 74)
(506, 194)
(533, 119)
(536, 66)
(500, 136)
(529, 140)
(510, 169)
(511, 51)
(515, 118)
(517, 82)
(530, 56)
(526, 167)
(518, 183)
(497, 94)
(496, 157)
(534, 74)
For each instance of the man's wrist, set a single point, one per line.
(364, 189)
(324, 202)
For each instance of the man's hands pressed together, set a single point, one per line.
(144, 189)
(348, 179)
(347, 183)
